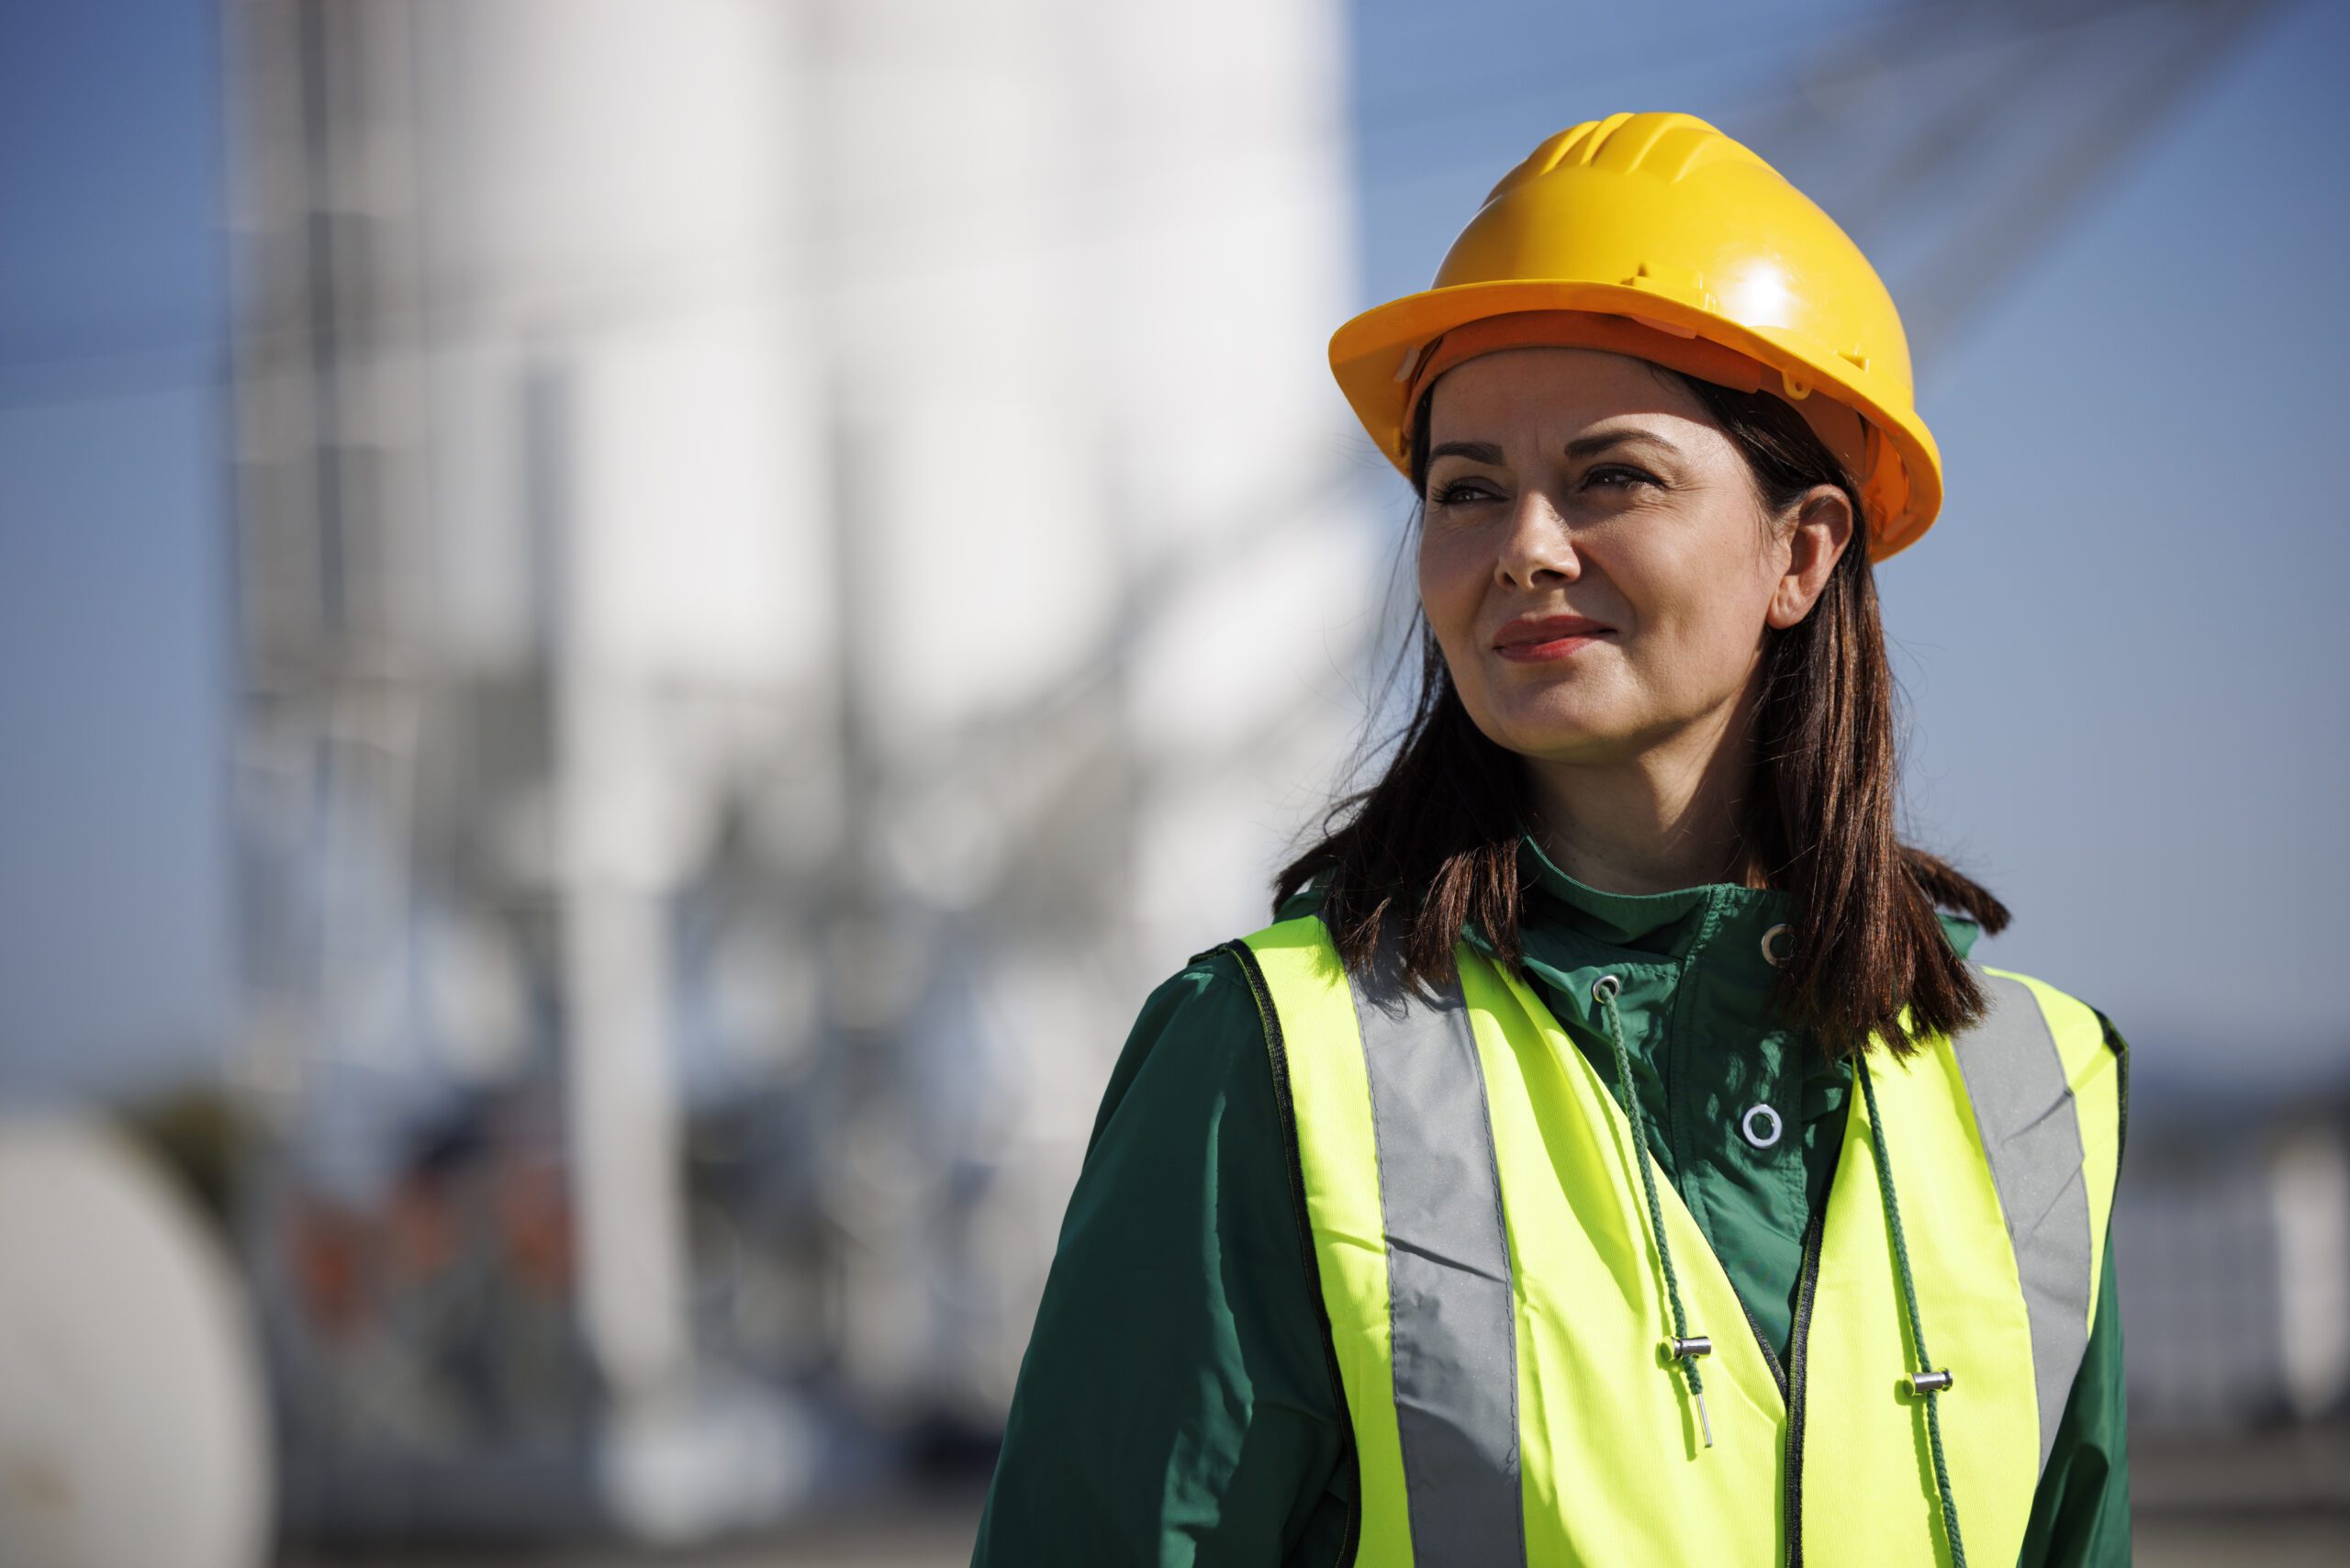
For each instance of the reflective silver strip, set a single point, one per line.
(2023, 1108)
(1451, 1316)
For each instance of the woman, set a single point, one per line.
(1608, 1155)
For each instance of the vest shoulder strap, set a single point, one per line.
(1384, 1083)
(1277, 1059)
(2045, 1088)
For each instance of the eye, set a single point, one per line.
(1460, 492)
(1619, 475)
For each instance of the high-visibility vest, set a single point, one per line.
(1497, 1307)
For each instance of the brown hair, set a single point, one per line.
(1432, 844)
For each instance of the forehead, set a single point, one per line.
(1553, 390)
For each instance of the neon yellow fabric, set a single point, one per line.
(1611, 1464)
(1868, 1473)
(1610, 1457)
(1332, 1106)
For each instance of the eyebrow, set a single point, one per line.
(1593, 445)
(1580, 448)
(1475, 451)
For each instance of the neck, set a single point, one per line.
(1662, 818)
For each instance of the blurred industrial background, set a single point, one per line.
(630, 629)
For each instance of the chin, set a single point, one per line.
(1559, 731)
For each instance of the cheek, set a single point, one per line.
(1452, 588)
(1706, 625)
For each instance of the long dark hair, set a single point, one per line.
(1432, 844)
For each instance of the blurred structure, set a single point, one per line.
(768, 620)
(2233, 1242)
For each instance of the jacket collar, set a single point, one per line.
(1668, 925)
(1572, 931)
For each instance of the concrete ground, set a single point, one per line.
(2254, 1500)
(2277, 1499)
(2169, 1542)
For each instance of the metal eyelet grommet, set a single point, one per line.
(1761, 1125)
(1604, 987)
(1774, 951)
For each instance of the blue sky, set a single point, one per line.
(114, 666)
(2128, 667)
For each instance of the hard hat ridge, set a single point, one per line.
(1668, 146)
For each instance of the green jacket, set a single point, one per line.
(1174, 1407)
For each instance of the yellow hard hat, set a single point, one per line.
(1656, 235)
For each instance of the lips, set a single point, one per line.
(1545, 628)
(1532, 638)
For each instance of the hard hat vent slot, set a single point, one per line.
(1685, 283)
(1666, 327)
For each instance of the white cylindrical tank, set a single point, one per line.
(133, 1416)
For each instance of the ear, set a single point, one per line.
(1814, 542)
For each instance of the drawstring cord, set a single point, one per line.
(1925, 1383)
(1684, 1347)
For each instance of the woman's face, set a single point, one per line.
(1594, 558)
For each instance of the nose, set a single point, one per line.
(1538, 551)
